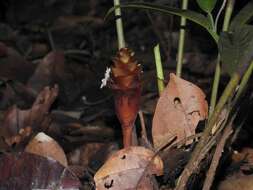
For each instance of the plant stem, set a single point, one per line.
(210, 16)
(159, 69)
(228, 13)
(181, 41)
(119, 25)
(219, 13)
(215, 86)
(244, 82)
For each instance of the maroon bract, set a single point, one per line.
(126, 84)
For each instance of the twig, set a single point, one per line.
(166, 146)
(216, 157)
(51, 40)
(193, 164)
(182, 141)
(144, 135)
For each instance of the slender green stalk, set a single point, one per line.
(181, 41)
(119, 25)
(215, 86)
(228, 13)
(244, 82)
(219, 13)
(210, 17)
(159, 69)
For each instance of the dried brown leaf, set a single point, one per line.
(18, 124)
(179, 109)
(24, 171)
(129, 168)
(45, 146)
(241, 182)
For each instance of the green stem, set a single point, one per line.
(119, 25)
(219, 13)
(244, 82)
(181, 41)
(159, 69)
(228, 13)
(215, 86)
(210, 17)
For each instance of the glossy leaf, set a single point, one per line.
(236, 49)
(207, 5)
(190, 15)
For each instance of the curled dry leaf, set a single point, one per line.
(18, 124)
(129, 168)
(22, 171)
(179, 109)
(126, 85)
(45, 146)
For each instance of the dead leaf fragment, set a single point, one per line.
(45, 146)
(237, 183)
(129, 168)
(36, 118)
(179, 109)
(24, 171)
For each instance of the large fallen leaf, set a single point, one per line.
(44, 145)
(22, 171)
(237, 182)
(179, 109)
(129, 168)
(18, 123)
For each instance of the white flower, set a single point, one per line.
(106, 78)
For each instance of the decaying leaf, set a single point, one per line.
(18, 124)
(242, 182)
(45, 146)
(24, 171)
(181, 106)
(130, 169)
(88, 152)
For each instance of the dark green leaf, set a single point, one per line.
(243, 17)
(190, 15)
(236, 49)
(207, 5)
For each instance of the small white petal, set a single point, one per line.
(106, 78)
